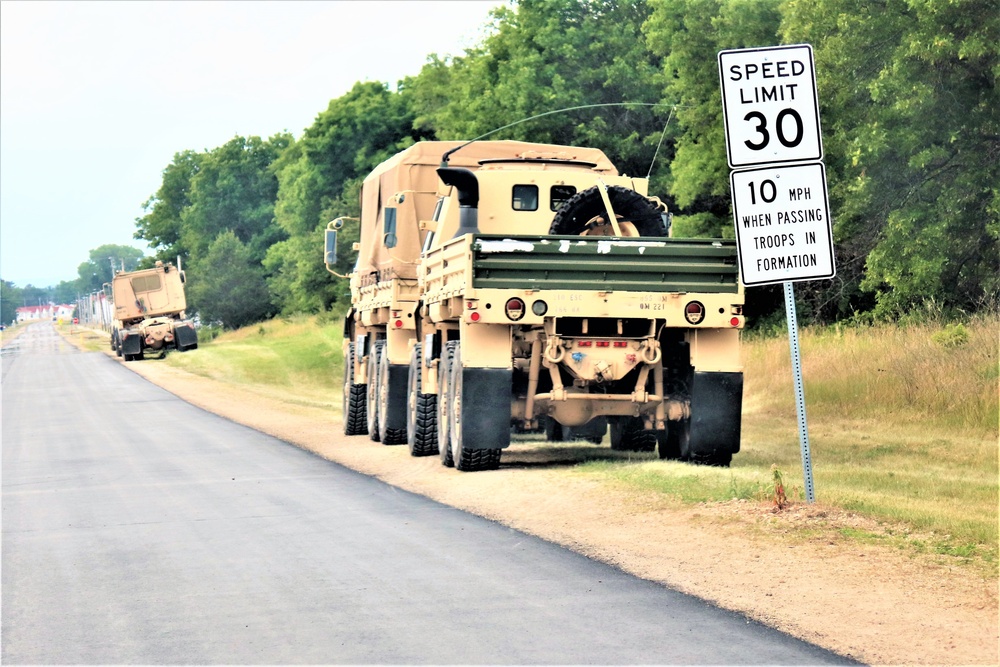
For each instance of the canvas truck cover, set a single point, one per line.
(414, 172)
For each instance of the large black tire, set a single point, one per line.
(682, 430)
(585, 206)
(556, 432)
(593, 431)
(628, 434)
(355, 415)
(669, 441)
(465, 459)
(388, 435)
(421, 415)
(374, 357)
(443, 412)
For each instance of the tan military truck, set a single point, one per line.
(149, 307)
(547, 287)
(398, 200)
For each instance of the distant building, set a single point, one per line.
(47, 312)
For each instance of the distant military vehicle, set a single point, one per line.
(149, 312)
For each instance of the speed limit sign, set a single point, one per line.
(770, 105)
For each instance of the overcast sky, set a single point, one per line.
(97, 97)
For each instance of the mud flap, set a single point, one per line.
(396, 404)
(716, 404)
(132, 344)
(186, 338)
(486, 408)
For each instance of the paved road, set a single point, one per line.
(211, 543)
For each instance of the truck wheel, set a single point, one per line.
(466, 460)
(444, 391)
(682, 441)
(387, 434)
(355, 416)
(374, 357)
(556, 432)
(421, 415)
(671, 442)
(586, 205)
(629, 435)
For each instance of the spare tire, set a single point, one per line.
(573, 217)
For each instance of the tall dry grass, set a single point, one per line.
(902, 424)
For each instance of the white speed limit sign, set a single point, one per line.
(770, 105)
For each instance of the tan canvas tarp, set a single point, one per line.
(415, 169)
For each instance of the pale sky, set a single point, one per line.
(97, 97)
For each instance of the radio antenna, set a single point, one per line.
(444, 158)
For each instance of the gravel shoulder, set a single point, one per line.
(868, 602)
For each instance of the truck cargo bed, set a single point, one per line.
(633, 265)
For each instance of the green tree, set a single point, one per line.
(161, 226)
(912, 138)
(103, 262)
(227, 285)
(320, 179)
(234, 189)
(10, 301)
(546, 55)
(66, 291)
(688, 34)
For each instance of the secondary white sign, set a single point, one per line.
(770, 105)
(783, 227)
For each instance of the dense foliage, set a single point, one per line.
(911, 131)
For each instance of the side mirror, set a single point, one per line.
(330, 257)
(668, 220)
(389, 228)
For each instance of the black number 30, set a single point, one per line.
(761, 129)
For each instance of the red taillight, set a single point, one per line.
(735, 321)
(474, 316)
(399, 324)
(621, 343)
(694, 312)
(603, 343)
(584, 343)
(514, 309)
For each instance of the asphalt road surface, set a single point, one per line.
(140, 529)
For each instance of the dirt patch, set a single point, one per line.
(872, 603)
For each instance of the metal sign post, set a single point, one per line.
(800, 394)
(780, 203)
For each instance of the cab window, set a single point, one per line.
(525, 198)
(559, 195)
(150, 283)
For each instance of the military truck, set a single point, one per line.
(542, 285)
(149, 315)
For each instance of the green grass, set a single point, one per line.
(902, 423)
(902, 429)
(299, 358)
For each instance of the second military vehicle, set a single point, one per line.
(149, 307)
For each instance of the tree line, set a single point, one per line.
(911, 134)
